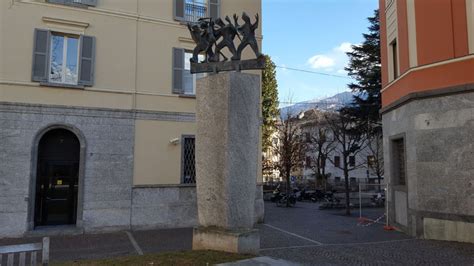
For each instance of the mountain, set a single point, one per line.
(331, 103)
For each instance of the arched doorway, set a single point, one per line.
(57, 178)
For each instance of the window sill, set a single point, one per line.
(189, 96)
(60, 85)
(70, 5)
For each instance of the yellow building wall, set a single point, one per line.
(157, 161)
(133, 68)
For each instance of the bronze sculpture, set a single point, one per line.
(211, 36)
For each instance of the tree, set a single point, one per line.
(350, 140)
(365, 67)
(290, 149)
(320, 146)
(374, 152)
(270, 109)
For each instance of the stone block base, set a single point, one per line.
(244, 241)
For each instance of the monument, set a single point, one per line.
(227, 135)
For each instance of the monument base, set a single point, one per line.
(243, 241)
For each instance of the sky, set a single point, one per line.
(313, 35)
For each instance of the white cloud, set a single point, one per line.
(321, 61)
(334, 59)
(344, 47)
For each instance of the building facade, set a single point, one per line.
(97, 113)
(427, 50)
(364, 171)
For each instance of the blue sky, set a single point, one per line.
(313, 35)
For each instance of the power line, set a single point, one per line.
(313, 72)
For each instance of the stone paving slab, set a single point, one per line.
(302, 235)
(260, 261)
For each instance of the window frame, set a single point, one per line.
(195, 77)
(183, 137)
(78, 57)
(395, 162)
(338, 160)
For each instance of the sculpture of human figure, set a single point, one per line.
(203, 35)
(227, 32)
(247, 30)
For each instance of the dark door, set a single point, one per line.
(57, 178)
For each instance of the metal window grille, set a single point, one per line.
(194, 10)
(399, 161)
(189, 167)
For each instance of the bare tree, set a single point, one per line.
(350, 140)
(320, 146)
(290, 149)
(374, 152)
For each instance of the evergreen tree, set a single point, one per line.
(270, 110)
(365, 67)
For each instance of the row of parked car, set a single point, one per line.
(328, 199)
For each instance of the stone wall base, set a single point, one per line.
(244, 242)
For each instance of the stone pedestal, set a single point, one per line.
(227, 115)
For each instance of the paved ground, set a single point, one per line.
(307, 235)
(302, 234)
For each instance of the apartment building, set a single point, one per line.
(97, 113)
(427, 50)
(363, 171)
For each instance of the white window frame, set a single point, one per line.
(64, 67)
(200, 57)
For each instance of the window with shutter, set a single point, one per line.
(63, 59)
(183, 81)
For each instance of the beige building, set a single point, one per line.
(97, 111)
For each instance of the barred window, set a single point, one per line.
(398, 161)
(188, 164)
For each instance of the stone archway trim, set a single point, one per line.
(34, 167)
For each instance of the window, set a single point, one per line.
(393, 48)
(337, 179)
(398, 159)
(78, 3)
(308, 161)
(189, 80)
(337, 161)
(193, 10)
(352, 161)
(352, 180)
(370, 161)
(64, 59)
(187, 161)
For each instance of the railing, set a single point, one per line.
(194, 11)
(23, 250)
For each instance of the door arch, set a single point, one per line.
(58, 163)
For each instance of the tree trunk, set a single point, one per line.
(348, 201)
(288, 174)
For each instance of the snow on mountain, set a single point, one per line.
(331, 103)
